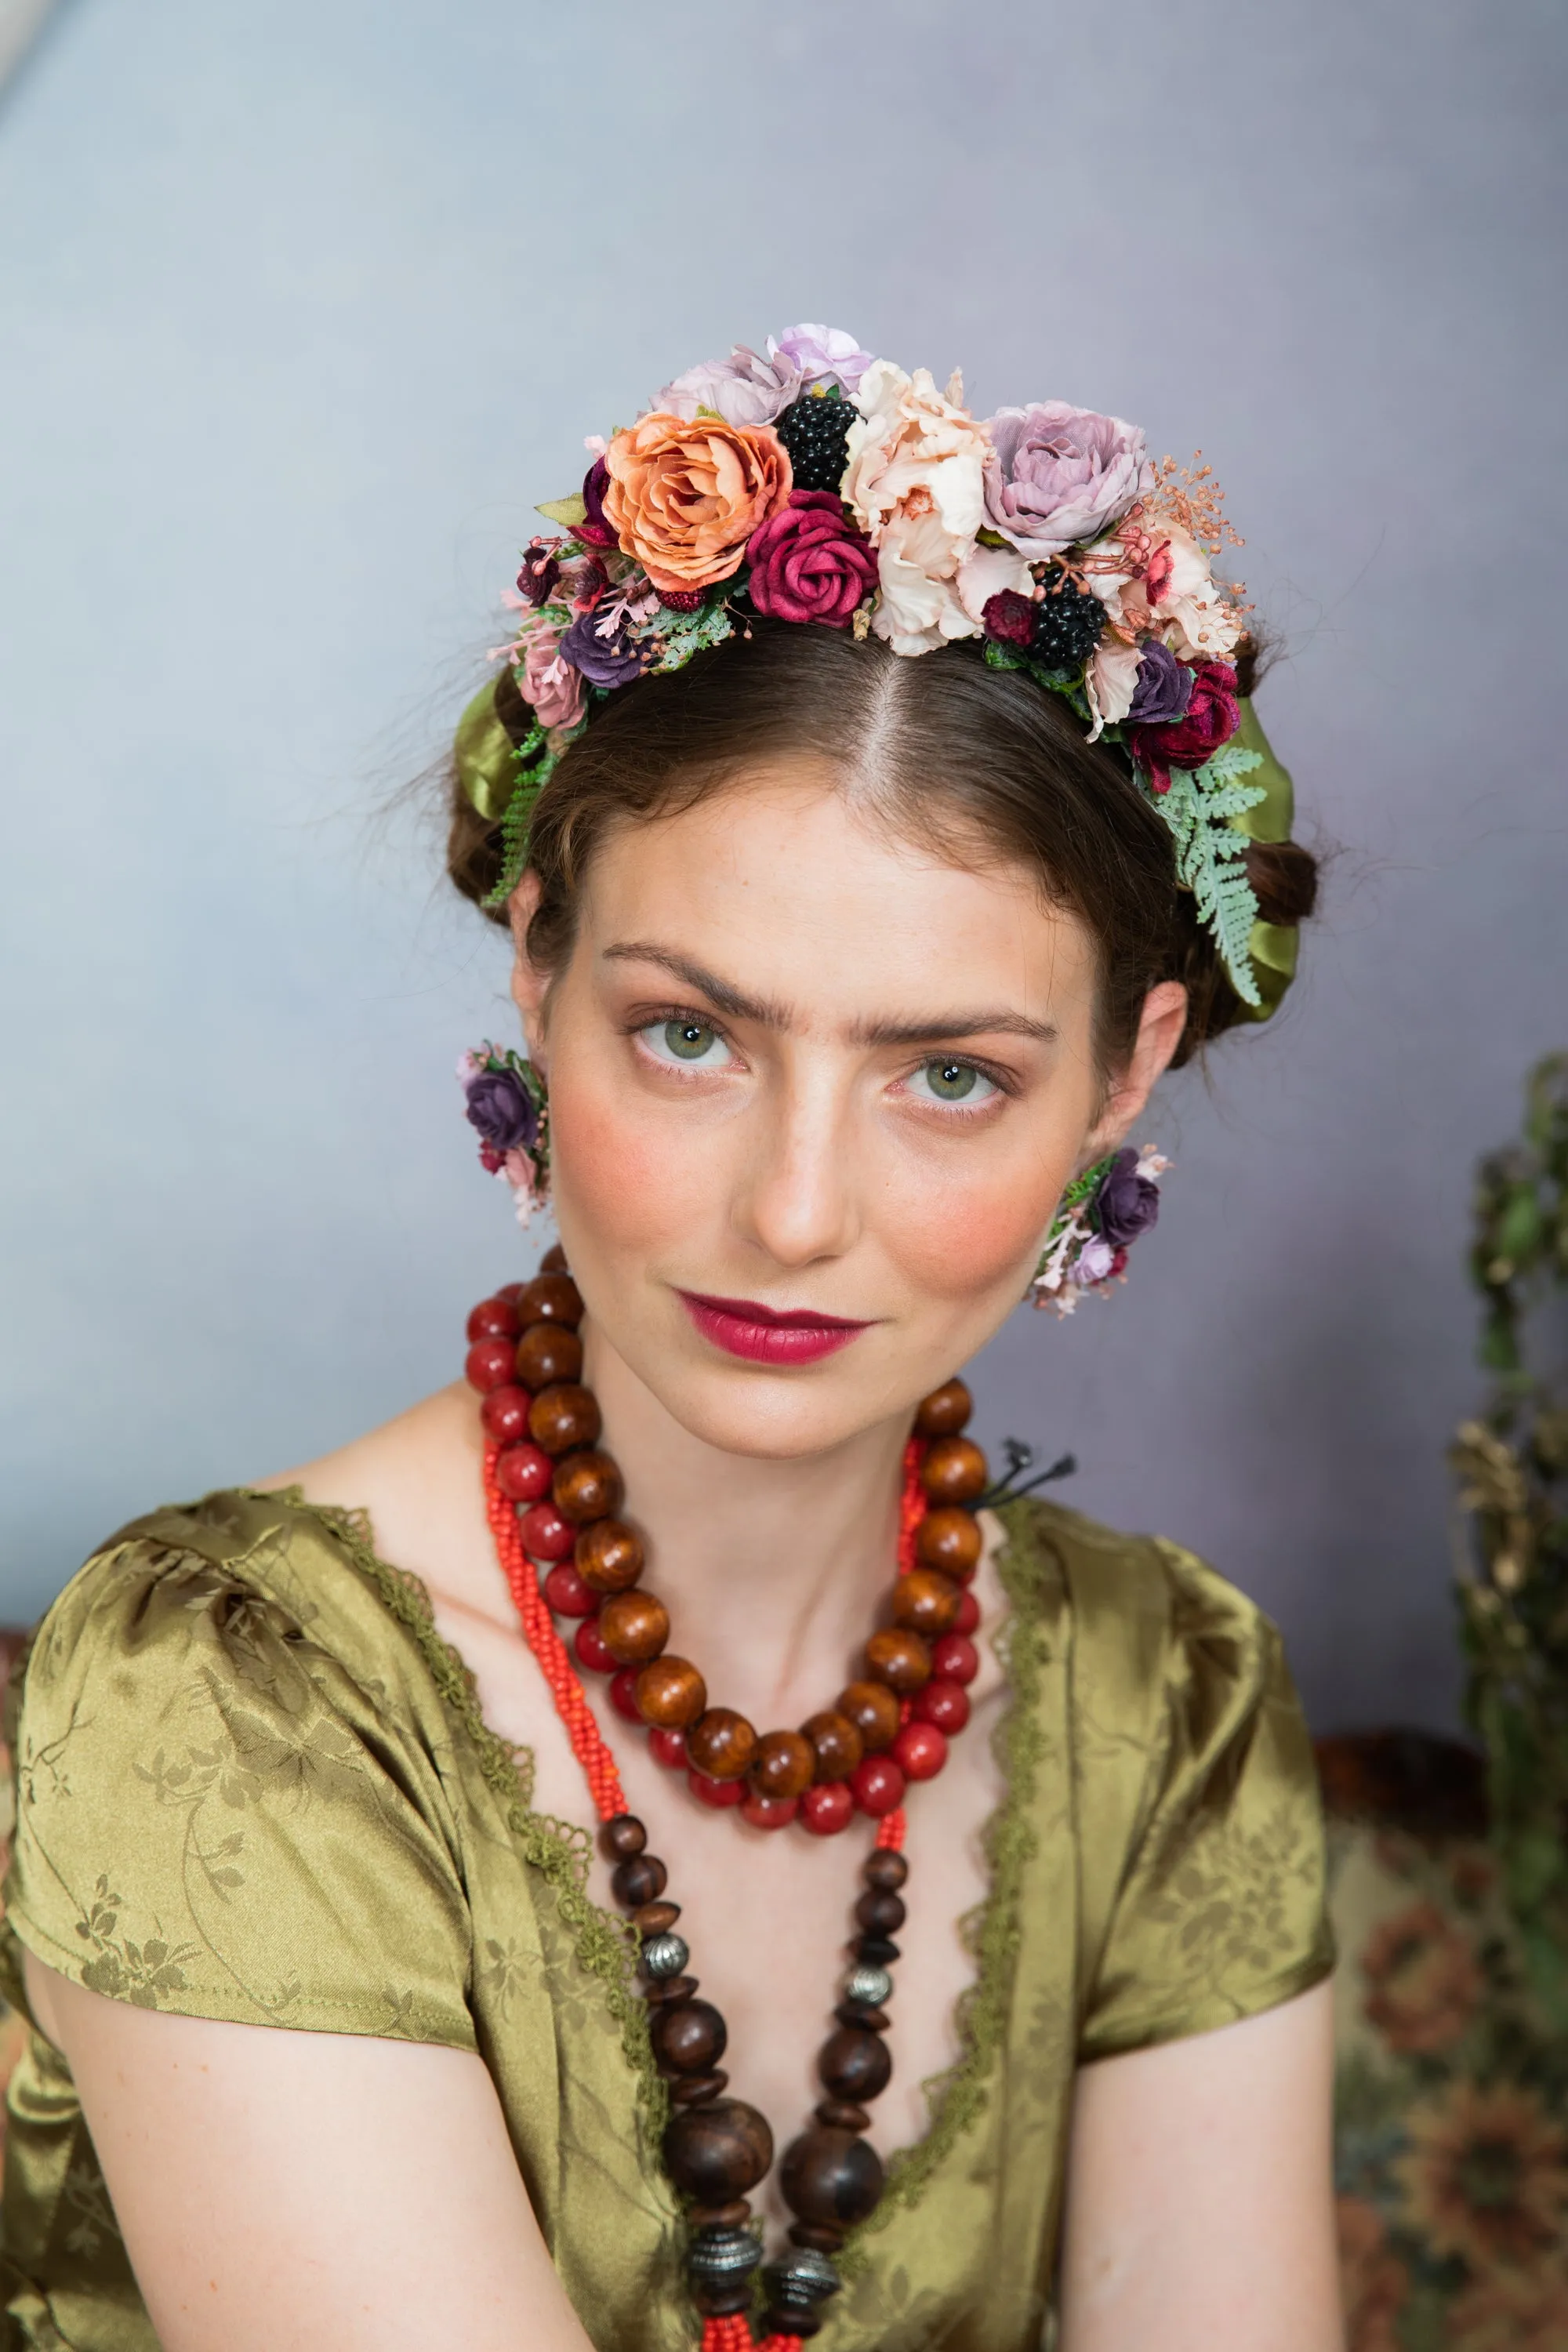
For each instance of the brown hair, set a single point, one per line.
(950, 751)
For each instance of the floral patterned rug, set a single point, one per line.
(1452, 2095)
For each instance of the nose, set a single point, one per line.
(798, 1198)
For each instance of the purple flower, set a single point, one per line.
(821, 355)
(1126, 1204)
(744, 389)
(1061, 474)
(1163, 690)
(503, 1110)
(611, 660)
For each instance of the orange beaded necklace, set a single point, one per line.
(890, 1727)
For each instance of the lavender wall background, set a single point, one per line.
(303, 306)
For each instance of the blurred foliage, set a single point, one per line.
(1512, 1470)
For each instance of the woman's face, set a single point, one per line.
(798, 1065)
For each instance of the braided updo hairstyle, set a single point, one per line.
(971, 763)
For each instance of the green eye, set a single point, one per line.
(945, 1081)
(689, 1041)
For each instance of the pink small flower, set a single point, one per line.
(554, 689)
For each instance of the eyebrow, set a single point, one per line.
(932, 1029)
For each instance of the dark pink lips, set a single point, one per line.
(762, 1336)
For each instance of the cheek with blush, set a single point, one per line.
(967, 1239)
(623, 1185)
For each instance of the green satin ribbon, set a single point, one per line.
(486, 770)
(486, 756)
(1272, 946)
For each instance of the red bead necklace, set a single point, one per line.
(890, 1728)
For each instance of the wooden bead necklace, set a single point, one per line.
(525, 1359)
(888, 1727)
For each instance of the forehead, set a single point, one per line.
(789, 891)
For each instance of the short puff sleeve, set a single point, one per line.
(217, 1817)
(1207, 1825)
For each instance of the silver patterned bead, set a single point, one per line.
(723, 2253)
(869, 1986)
(801, 2281)
(664, 1956)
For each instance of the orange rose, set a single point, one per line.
(684, 498)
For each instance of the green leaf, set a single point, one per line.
(567, 512)
(1197, 808)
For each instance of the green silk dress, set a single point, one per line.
(254, 1784)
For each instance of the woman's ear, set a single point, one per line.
(1159, 1027)
(529, 984)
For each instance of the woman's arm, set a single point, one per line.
(1200, 2204)
(281, 2191)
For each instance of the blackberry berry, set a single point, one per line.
(814, 432)
(1067, 624)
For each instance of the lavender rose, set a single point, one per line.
(1061, 474)
(503, 1110)
(809, 564)
(821, 355)
(1126, 1204)
(1163, 690)
(613, 660)
(744, 389)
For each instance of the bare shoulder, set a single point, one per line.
(417, 1478)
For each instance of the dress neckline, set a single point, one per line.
(562, 1851)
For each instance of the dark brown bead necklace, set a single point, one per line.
(717, 2150)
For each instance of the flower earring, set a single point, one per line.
(509, 1107)
(1100, 1216)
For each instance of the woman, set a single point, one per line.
(870, 798)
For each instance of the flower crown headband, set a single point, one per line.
(814, 483)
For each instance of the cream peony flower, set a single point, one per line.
(912, 448)
(987, 572)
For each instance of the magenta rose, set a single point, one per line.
(1212, 719)
(809, 564)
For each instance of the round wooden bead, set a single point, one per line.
(968, 1616)
(608, 1555)
(722, 1744)
(769, 1812)
(567, 1594)
(855, 2065)
(689, 2038)
(885, 1868)
(505, 1412)
(842, 2115)
(494, 1318)
(586, 1486)
(827, 1808)
(925, 1599)
(550, 1298)
(945, 1704)
(623, 1836)
(922, 1751)
(655, 1918)
(489, 1365)
(523, 1471)
(720, 1795)
(545, 1534)
(877, 1785)
(561, 1418)
(836, 1744)
(552, 1262)
(955, 1658)
(718, 2152)
(732, 2216)
(953, 1470)
(851, 2012)
(673, 1990)
(634, 1626)
(950, 1539)
(784, 1766)
(899, 1658)
(945, 1411)
(831, 2176)
(637, 1878)
(670, 1693)
(880, 1911)
(872, 1708)
(548, 1352)
(695, 2090)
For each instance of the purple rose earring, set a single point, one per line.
(1100, 1215)
(509, 1107)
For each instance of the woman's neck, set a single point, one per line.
(772, 1570)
